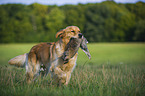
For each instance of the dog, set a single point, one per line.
(56, 57)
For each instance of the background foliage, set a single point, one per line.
(100, 22)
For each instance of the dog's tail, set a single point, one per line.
(19, 61)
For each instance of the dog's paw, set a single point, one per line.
(66, 61)
(65, 57)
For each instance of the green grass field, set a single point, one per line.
(116, 69)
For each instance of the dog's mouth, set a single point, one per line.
(84, 47)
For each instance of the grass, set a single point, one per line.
(116, 69)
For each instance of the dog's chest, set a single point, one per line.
(59, 51)
(69, 67)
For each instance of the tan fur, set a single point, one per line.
(18, 61)
(49, 55)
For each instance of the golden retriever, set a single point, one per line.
(52, 57)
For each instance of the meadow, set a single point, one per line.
(115, 69)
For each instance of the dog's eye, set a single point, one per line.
(72, 31)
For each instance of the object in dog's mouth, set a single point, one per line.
(84, 47)
(73, 47)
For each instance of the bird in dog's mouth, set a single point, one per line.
(73, 47)
(84, 47)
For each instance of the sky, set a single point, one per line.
(62, 2)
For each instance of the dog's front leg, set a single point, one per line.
(63, 77)
(59, 76)
(68, 76)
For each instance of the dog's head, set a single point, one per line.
(69, 32)
(73, 38)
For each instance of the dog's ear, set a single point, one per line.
(60, 33)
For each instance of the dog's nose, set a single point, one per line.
(80, 35)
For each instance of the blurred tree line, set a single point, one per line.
(100, 22)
